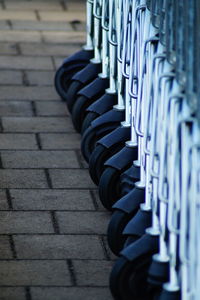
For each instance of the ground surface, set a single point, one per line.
(52, 226)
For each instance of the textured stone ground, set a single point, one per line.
(52, 225)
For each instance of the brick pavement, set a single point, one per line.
(52, 225)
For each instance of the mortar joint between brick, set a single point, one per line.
(25, 78)
(1, 126)
(55, 222)
(34, 110)
(53, 63)
(18, 48)
(105, 250)
(9, 199)
(42, 38)
(9, 23)
(12, 247)
(63, 5)
(48, 178)
(78, 156)
(1, 163)
(72, 272)
(37, 15)
(3, 5)
(28, 293)
(92, 195)
(38, 141)
(74, 24)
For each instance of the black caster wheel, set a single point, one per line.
(98, 158)
(130, 240)
(98, 108)
(128, 280)
(158, 274)
(90, 137)
(109, 184)
(109, 187)
(69, 68)
(137, 225)
(80, 80)
(128, 179)
(134, 222)
(62, 80)
(79, 112)
(72, 91)
(107, 147)
(91, 116)
(85, 98)
(100, 128)
(116, 239)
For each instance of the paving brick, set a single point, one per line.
(5, 249)
(64, 49)
(62, 16)
(48, 199)
(32, 5)
(60, 141)
(41, 26)
(58, 247)
(40, 77)
(39, 159)
(12, 141)
(83, 222)
(71, 179)
(4, 25)
(30, 93)
(12, 293)
(60, 37)
(22, 179)
(26, 63)
(70, 293)
(11, 77)
(3, 200)
(20, 36)
(15, 108)
(17, 15)
(25, 222)
(37, 124)
(8, 48)
(92, 273)
(51, 108)
(43, 273)
(75, 6)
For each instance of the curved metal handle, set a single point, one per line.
(112, 32)
(105, 15)
(131, 89)
(126, 39)
(120, 13)
(97, 9)
(184, 180)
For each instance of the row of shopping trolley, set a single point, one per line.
(133, 94)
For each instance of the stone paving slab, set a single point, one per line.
(71, 293)
(20, 141)
(34, 273)
(50, 199)
(53, 242)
